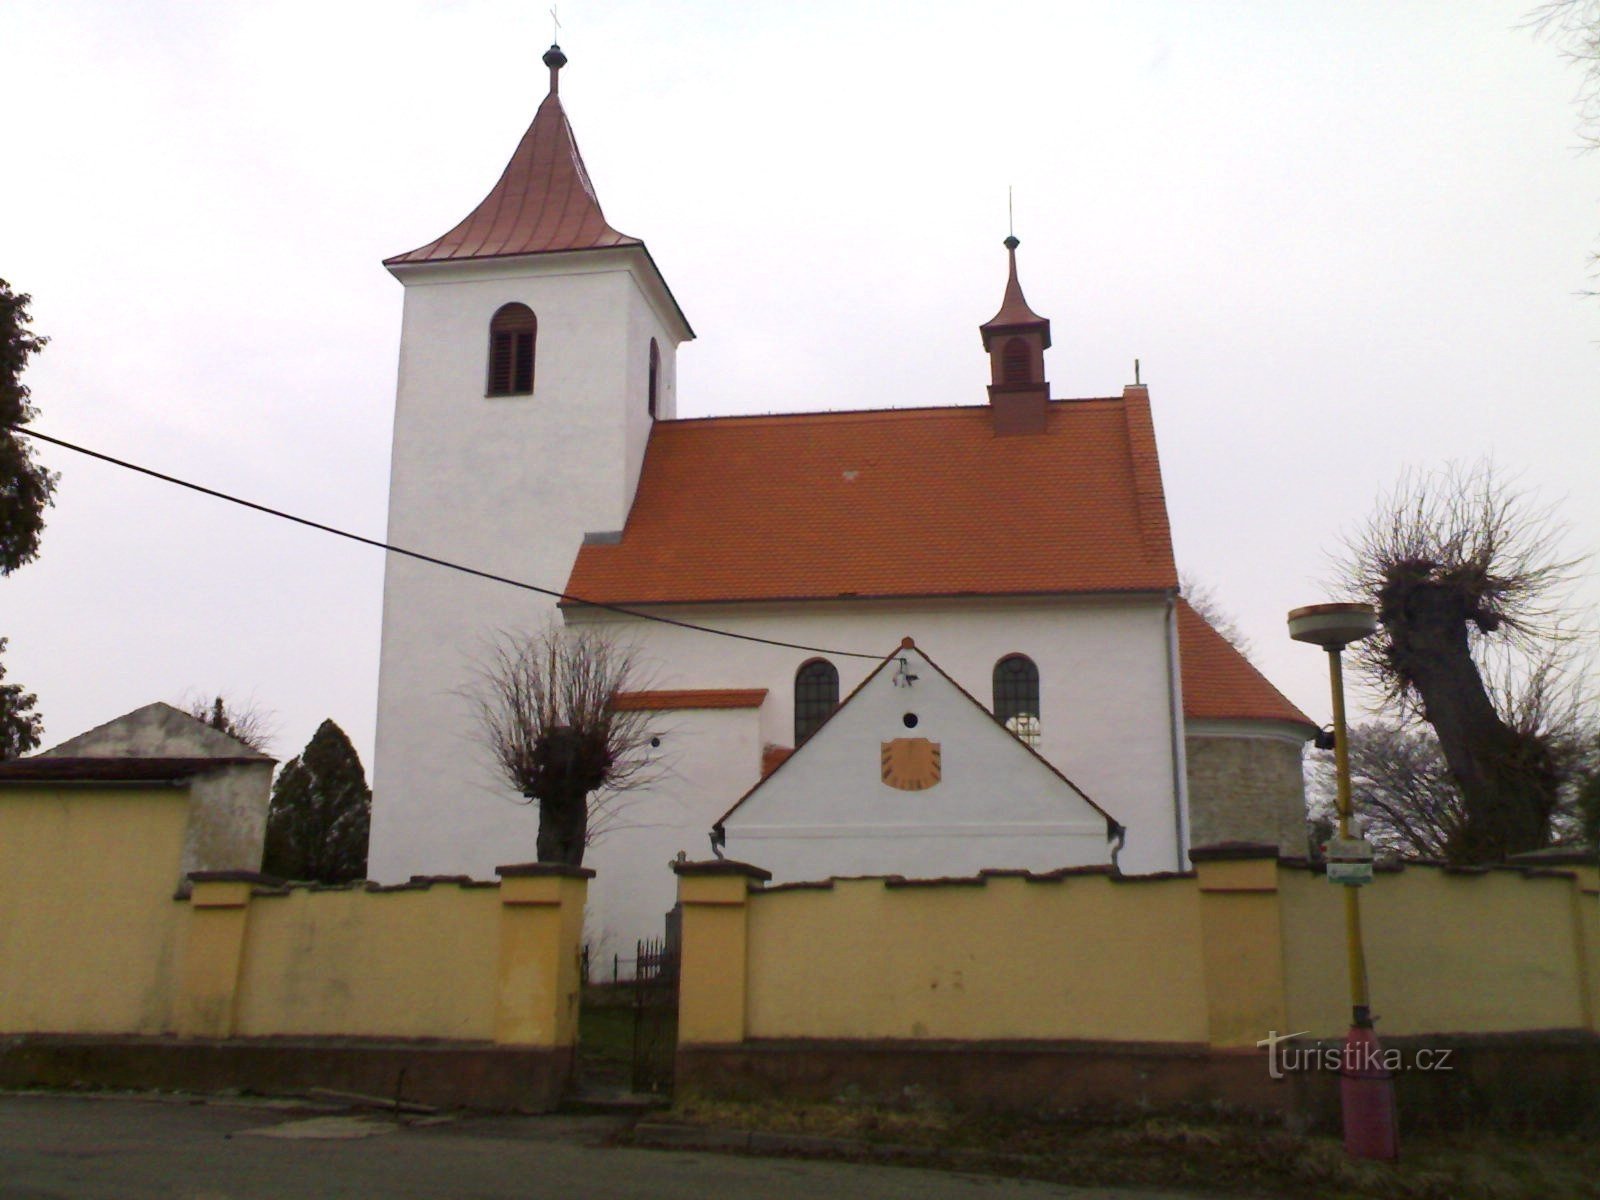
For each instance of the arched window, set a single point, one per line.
(512, 334)
(655, 373)
(1014, 366)
(1016, 696)
(816, 694)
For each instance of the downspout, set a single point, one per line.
(1180, 773)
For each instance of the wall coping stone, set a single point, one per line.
(542, 870)
(720, 866)
(254, 877)
(1233, 852)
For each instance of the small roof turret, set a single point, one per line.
(543, 202)
(1014, 312)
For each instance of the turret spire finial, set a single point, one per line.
(555, 60)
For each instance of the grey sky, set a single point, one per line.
(1343, 238)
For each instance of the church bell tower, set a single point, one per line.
(538, 347)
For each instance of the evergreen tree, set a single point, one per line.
(20, 725)
(25, 486)
(321, 809)
(25, 491)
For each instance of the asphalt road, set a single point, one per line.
(61, 1147)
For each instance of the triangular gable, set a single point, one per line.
(155, 731)
(847, 750)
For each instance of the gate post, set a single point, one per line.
(1242, 941)
(541, 931)
(711, 966)
(213, 949)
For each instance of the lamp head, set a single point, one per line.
(1332, 626)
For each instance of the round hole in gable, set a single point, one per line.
(910, 720)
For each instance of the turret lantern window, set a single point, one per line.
(1014, 366)
(1016, 696)
(512, 334)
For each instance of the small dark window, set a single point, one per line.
(512, 334)
(816, 694)
(1016, 696)
(655, 373)
(1014, 366)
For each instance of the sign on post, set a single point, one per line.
(1350, 861)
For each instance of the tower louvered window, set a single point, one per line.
(1014, 362)
(655, 373)
(1016, 696)
(816, 694)
(512, 335)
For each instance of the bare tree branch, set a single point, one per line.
(248, 723)
(548, 711)
(1202, 597)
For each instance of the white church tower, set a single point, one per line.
(538, 345)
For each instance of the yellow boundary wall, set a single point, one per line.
(1243, 946)
(94, 942)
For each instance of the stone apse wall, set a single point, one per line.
(1084, 989)
(441, 991)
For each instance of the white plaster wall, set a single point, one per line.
(507, 484)
(1105, 719)
(1105, 724)
(828, 812)
(702, 752)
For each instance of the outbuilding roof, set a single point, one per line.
(1220, 683)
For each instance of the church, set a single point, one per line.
(960, 639)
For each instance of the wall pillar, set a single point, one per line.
(1585, 875)
(213, 949)
(541, 934)
(1241, 931)
(712, 968)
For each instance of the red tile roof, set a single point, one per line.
(542, 203)
(657, 701)
(899, 502)
(1221, 684)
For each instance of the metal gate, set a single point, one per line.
(655, 1014)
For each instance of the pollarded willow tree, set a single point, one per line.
(550, 712)
(1475, 640)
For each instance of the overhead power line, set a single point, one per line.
(429, 558)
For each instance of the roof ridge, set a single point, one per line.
(899, 411)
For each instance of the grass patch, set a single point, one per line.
(1200, 1151)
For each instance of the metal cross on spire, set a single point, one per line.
(555, 26)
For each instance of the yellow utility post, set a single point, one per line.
(1366, 1087)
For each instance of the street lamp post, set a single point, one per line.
(1366, 1086)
